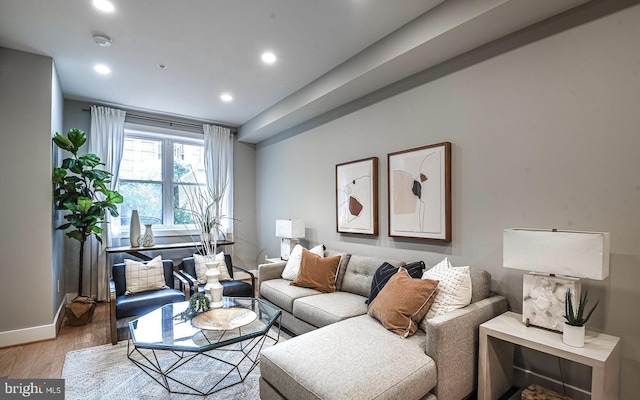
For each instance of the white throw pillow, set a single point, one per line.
(141, 277)
(201, 267)
(295, 258)
(454, 289)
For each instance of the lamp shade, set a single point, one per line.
(570, 253)
(290, 228)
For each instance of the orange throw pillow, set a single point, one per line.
(403, 302)
(317, 272)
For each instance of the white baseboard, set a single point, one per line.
(32, 334)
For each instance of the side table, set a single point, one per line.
(500, 335)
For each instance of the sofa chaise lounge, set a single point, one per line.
(343, 353)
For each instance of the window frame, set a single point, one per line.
(168, 137)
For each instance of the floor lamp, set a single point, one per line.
(558, 259)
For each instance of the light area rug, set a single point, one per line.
(105, 373)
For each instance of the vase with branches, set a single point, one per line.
(205, 208)
(204, 204)
(80, 189)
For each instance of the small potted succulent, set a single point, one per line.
(573, 333)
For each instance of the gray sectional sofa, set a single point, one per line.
(343, 353)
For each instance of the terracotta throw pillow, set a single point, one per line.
(317, 272)
(403, 302)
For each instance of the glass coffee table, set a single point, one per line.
(207, 354)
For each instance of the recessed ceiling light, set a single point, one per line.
(102, 69)
(226, 97)
(268, 57)
(103, 5)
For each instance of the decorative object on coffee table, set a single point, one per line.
(420, 192)
(357, 196)
(558, 259)
(198, 303)
(224, 319)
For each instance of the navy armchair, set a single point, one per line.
(233, 288)
(137, 304)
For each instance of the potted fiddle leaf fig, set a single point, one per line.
(80, 190)
(574, 331)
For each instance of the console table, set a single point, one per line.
(499, 336)
(138, 251)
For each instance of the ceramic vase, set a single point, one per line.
(573, 335)
(134, 229)
(147, 239)
(213, 288)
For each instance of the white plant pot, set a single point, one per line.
(213, 288)
(573, 335)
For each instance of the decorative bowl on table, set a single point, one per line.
(223, 319)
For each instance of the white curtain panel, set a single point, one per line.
(106, 140)
(218, 161)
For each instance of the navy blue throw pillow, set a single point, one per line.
(384, 273)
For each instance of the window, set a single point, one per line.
(155, 173)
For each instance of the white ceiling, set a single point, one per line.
(208, 46)
(329, 51)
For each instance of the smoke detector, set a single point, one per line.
(102, 40)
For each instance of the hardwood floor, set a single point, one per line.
(45, 359)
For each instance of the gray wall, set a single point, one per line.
(545, 134)
(26, 288)
(57, 278)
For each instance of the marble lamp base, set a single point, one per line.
(543, 301)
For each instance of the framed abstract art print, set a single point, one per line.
(420, 192)
(357, 196)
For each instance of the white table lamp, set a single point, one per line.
(556, 260)
(289, 230)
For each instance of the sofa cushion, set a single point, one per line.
(408, 372)
(386, 271)
(480, 284)
(328, 308)
(359, 272)
(137, 304)
(454, 289)
(403, 302)
(144, 276)
(282, 294)
(201, 267)
(317, 272)
(292, 267)
(344, 260)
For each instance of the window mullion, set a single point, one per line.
(167, 178)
